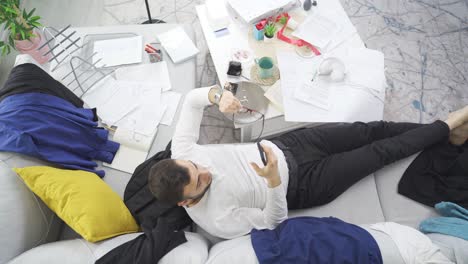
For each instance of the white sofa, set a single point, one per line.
(27, 225)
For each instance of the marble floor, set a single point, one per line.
(425, 43)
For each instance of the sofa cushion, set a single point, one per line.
(240, 250)
(396, 207)
(358, 205)
(79, 251)
(82, 200)
(25, 221)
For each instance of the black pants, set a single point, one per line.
(325, 161)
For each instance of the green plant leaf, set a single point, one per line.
(35, 18)
(11, 41)
(22, 34)
(31, 12)
(13, 29)
(9, 10)
(36, 24)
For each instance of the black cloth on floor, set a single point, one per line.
(438, 174)
(325, 161)
(161, 223)
(29, 78)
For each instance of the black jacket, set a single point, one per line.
(160, 223)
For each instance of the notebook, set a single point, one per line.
(133, 150)
(178, 44)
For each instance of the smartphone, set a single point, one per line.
(262, 154)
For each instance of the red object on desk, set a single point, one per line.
(261, 25)
(298, 42)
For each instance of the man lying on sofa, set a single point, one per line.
(218, 185)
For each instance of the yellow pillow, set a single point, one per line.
(83, 201)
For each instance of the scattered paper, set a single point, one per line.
(317, 30)
(346, 104)
(171, 99)
(112, 100)
(178, 44)
(155, 74)
(275, 96)
(118, 51)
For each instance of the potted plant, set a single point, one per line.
(22, 30)
(270, 30)
(286, 18)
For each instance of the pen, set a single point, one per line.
(153, 49)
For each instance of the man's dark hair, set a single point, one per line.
(166, 181)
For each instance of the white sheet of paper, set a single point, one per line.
(101, 92)
(365, 67)
(347, 104)
(119, 105)
(275, 96)
(318, 30)
(171, 99)
(155, 74)
(315, 92)
(118, 51)
(112, 100)
(145, 118)
(178, 44)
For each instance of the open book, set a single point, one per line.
(134, 148)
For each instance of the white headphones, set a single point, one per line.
(334, 68)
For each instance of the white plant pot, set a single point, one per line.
(267, 39)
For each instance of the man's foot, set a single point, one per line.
(457, 118)
(459, 135)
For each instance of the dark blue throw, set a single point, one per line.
(53, 129)
(315, 240)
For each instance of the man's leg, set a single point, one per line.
(320, 180)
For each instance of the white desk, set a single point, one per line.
(240, 37)
(185, 69)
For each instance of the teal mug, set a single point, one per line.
(265, 67)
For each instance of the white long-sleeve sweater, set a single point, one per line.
(238, 200)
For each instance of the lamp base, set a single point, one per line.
(154, 21)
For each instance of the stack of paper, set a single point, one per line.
(113, 52)
(178, 44)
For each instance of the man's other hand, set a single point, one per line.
(270, 171)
